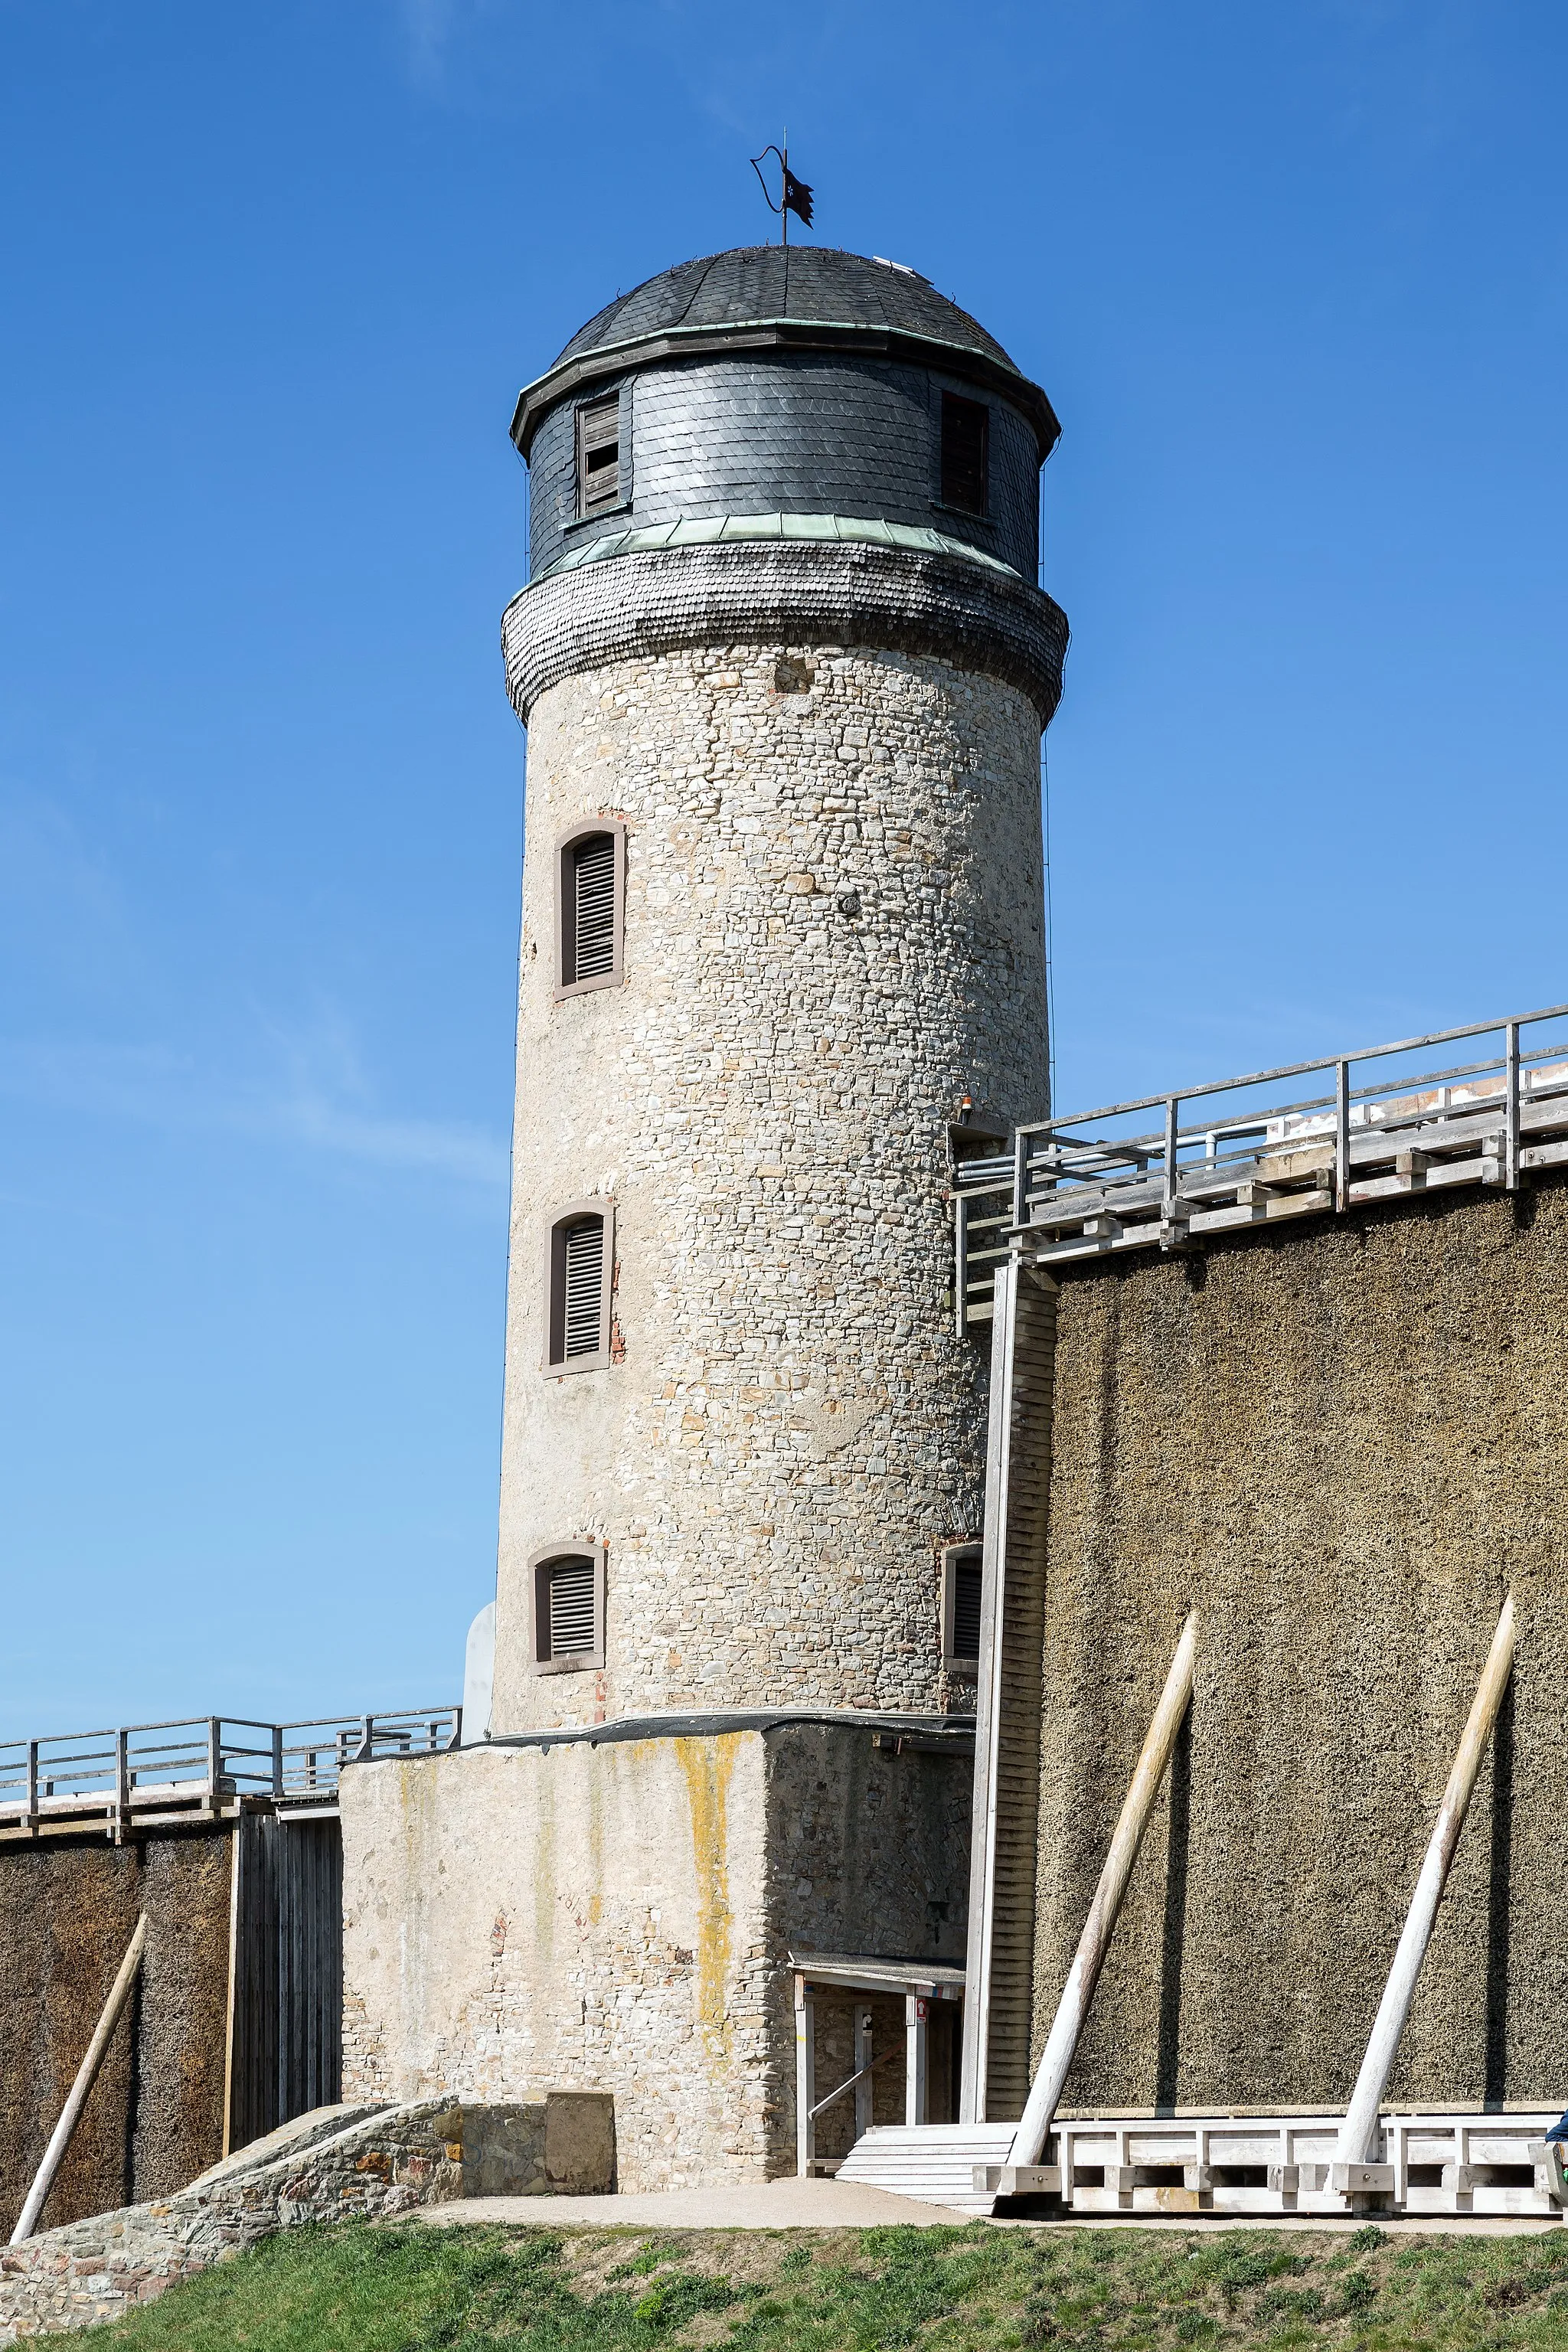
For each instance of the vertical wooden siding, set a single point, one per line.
(286, 1994)
(1007, 1749)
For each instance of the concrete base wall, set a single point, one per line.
(155, 2116)
(616, 1916)
(1341, 1445)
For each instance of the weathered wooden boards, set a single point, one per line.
(286, 1975)
(995, 2079)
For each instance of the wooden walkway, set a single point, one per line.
(1384, 1124)
(1454, 2163)
(205, 1767)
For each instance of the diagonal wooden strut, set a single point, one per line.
(1088, 1959)
(1360, 2125)
(87, 2074)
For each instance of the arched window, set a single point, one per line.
(590, 896)
(960, 1591)
(567, 1582)
(582, 1261)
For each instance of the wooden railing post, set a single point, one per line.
(1341, 1136)
(215, 1755)
(277, 1759)
(959, 1260)
(1169, 1231)
(1510, 1107)
(32, 1782)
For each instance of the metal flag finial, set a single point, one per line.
(794, 197)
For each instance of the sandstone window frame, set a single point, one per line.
(574, 1216)
(960, 1561)
(569, 1551)
(598, 427)
(567, 864)
(963, 453)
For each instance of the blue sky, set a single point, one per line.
(1296, 278)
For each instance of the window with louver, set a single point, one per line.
(966, 1609)
(961, 1588)
(584, 1277)
(572, 1630)
(590, 891)
(592, 907)
(599, 457)
(568, 1607)
(964, 453)
(582, 1257)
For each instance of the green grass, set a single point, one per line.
(468, 2290)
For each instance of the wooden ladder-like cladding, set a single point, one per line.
(999, 2005)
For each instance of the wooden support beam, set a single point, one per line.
(917, 2013)
(1353, 2149)
(865, 2060)
(1061, 2042)
(804, 2077)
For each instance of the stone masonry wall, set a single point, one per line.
(832, 933)
(617, 1915)
(1342, 1442)
(97, 2270)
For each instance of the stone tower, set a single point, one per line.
(784, 665)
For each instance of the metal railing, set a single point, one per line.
(981, 1233)
(1385, 1120)
(205, 1762)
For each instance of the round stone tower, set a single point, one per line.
(784, 664)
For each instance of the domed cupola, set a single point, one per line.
(793, 389)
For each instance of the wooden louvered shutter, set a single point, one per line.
(964, 453)
(599, 457)
(593, 889)
(570, 1614)
(966, 1607)
(582, 1273)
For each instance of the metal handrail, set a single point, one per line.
(1298, 1069)
(112, 1767)
(1214, 1165)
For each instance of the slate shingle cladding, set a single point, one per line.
(789, 433)
(767, 382)
(769, 281)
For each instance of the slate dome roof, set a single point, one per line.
(772, 297)
(805, 282)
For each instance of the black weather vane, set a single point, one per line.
(794, 195)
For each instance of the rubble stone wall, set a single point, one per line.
(97, 2269)
(833, 934)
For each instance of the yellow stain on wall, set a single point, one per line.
(708, 1765)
